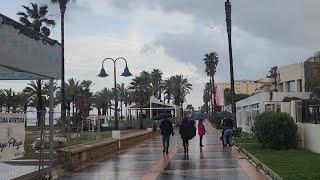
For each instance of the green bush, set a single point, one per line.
(215, 120)
(276, 130)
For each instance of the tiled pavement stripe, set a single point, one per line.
(145, 161)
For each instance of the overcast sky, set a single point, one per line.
(174, 35)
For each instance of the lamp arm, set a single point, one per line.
(121, 58)
(108, 59)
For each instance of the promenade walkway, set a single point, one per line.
(147, 162)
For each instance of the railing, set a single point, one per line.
(308, 111)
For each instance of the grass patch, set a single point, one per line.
(92, 137)
(291, 164)
(28, 149)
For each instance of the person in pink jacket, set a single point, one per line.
(201, 131)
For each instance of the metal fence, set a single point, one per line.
(36, 145)
(308, 111)
(37, 140)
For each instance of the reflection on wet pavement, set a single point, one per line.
(146, 161)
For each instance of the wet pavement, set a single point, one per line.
(147, 162)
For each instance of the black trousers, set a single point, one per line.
(165, 141)
(185, 144)
(201, 137)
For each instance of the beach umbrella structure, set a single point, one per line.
(225, 115)
(200, 116)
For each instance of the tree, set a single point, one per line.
(8, 98)
(141, 91)
(211, 61)
(168, 89)
(33, 90)
(238, 97)
(2, 99)
(102, 101)
(73, 89)
(63, 7)
(156, 82)
(122, 93)
(206, 97)
(181, 87)
(273, 74)
(36, 18)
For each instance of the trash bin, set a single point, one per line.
(154, 126)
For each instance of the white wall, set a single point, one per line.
(309, 135)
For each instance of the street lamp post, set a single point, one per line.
(126, 73)
(228, 22)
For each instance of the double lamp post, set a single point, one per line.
(103, 74)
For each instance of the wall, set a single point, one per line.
(292, 72)
(82, 155)
(309, 136)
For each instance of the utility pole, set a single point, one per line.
(228, 22)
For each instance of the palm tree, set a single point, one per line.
(23, 101)
(207, 96)
(273, 74)
(102, 101)
(8, 98)
(156, 82)
(63, 7)
(85, 98)
(33, 90)
(122, 92)
(141, 91)
(181, 87)
(168, 89)
(36, 18)
(211, 61)
(2, 99)
(73, 88)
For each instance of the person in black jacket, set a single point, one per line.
(187, 131)
(166, 131)
(183, 130)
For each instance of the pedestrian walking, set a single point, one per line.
(187, 131)
(201, 131)
(166, 131)
(227, 125)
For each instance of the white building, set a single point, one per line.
(249, 108)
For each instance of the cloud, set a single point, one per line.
(252, 55)
(290, 22)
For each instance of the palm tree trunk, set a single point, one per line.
(140, 117)
(212, 95)
(39, 103)
(73, 105)
(63, 94)
(99, 111)
(121, 110)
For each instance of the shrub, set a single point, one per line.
(215, 120)
(276, 130)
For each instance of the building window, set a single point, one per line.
(292, 86)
